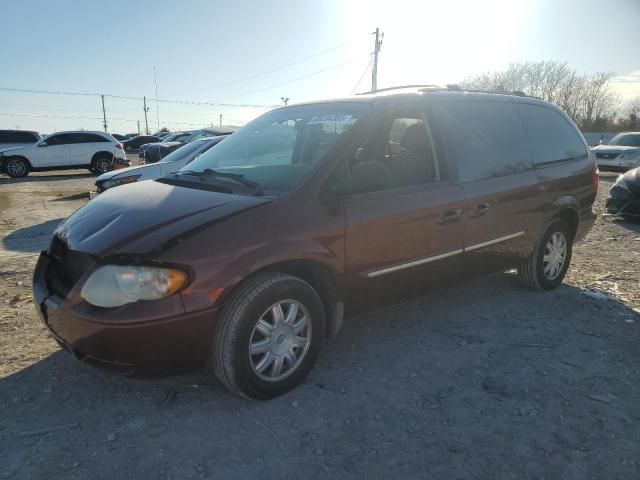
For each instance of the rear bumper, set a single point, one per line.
(173, 344)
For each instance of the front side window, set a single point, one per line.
(280, 148)
(487, 137)
(551, 136)
(60, 139)
(625, 139)
(401, 154)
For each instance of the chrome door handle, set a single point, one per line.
(451, 216)
(479, 210)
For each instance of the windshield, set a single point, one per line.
(183, 152)
(626, 139)
(279, 149)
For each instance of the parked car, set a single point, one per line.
(621, 153)
(16, 138)
(133, 144)
(171, 163)
(624, 195)
(64, 150)
(159, 151)
(247, 258)
(209, 132)
(117, 136)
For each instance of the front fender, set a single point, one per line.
(214, 282)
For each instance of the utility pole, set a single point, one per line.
(376, 52)
(155, 79)
(146, 109)
(138, 127)
(104, 115)
(220, 119)
(285, 100)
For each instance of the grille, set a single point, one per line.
(66, 267)
(607, 156)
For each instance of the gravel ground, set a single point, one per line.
(485, 380)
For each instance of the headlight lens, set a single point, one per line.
(114, 285)
(114, 182)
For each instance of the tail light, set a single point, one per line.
(119, 145)
(595, 178)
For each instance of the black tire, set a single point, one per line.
(238, 318)
(531, 272)
(101, 163)
(16, 167)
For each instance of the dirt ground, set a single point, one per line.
(483, 381)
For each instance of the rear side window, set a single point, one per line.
(91, 138)
(18, 137)
(487, 138)
(552, 137)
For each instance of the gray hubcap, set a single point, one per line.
(16, 168)
(280, 340)
(555, 254)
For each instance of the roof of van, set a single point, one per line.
(415, 90)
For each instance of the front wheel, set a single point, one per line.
(17, 167)
(269, 336)
(547, 265)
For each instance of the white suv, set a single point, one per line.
(63, 150)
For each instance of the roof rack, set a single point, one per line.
(399, 87)
(449, 88)
(457, 88)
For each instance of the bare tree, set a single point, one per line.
(588, 99)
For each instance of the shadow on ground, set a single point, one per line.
(486, 380)
(33, 238)
(45, 178)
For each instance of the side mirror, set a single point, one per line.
(369, 177)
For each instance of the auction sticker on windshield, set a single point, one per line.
(330, 118)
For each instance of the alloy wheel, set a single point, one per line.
(103, 165)
(280, 340)
(16, 168)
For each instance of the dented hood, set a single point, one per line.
(144, 216)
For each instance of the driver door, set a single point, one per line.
(53, 151)
(405, 230)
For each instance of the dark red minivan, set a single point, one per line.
(248, 258)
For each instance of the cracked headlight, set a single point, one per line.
(115, 285)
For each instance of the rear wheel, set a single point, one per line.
(269, 336)
(547, 265)
(101, 164)
(16, 167)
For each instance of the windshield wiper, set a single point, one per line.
(254, 187)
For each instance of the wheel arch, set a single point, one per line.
(319, 276)
(568, 211)
(22, 157)
(100, 154)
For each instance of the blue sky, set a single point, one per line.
(203, 50)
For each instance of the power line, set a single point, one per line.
(79, 117)
(50, 92)
(281, 67)
(366, 68)
(293, 80)
(124, 97)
